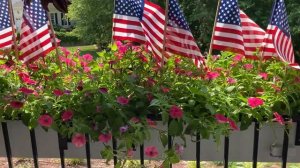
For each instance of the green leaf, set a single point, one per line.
(155, 102)
(175, 128)
(163, 138)
(230, 88)
(2, 62)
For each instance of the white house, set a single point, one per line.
(57, 18)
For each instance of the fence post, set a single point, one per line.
(198, 143)
(34, 148)
(7, 144)
(226, 152)
(285, 146)
(255, 145)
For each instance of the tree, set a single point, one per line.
(93, 20)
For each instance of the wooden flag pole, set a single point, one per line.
(165, 33)
(12, 22)
(54, 41)
(112, 29)
(212, 36)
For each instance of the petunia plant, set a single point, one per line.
(124, 92)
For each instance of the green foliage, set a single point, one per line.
(93, 20)
(68, 38)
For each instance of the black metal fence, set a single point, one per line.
(63, 146)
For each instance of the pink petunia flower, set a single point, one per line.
(279, 118)
(254, 102)
(176, 112)
(151, 151)
(212, 75)
(122, 48)
(248, 66)
(78, 140)
(105, 138)
(151, 82)
(238, 58)
(179, 149)
(58, 92)
(67, 115)
(45, 120)
(122, 100)
(221, 118)
(231, 80)
(26, 90)
(264, 75)
(86, 69)
(165, 90)
(233, 125)
(87, 57)
(151, 123)
(103, 90)
(16, 104)
(124, 129)
(65, 51)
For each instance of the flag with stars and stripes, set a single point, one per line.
(126, 21)
(179, 38)
(35, 34)
(253, 37)
(6, 31)
(140, 21)
(278, 33)
(228, 34)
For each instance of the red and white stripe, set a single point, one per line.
(268, 47)
(6, 38)
(34, 44)
(153, 23)
(128, 28)
(228, 37)
(182, 42)
(253, 36)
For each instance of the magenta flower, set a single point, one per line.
(45, 120)
(26, 90)
(16, 104)
(124, 129)
(122, 100)
(248, 66)
(58, 92)
(78, 140)
(151, 151)
(130, 153)
(231, 80)
(279, 118)
(87, 57)
(176, 112)
(212, 75)
(122, 48)
(165, 89)
(105, 138)
(135, 120)
(86, 69)
(254, 102)
(65, 51)
(233, 125)
(179, 149)
(150, 122)
(221, 118)
(67, 115)
(238, 58)
(103, 90)
(264, 75)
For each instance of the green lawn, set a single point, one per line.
(87, 49)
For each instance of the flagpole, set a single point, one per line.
(165, 33)
(212, 36)
(112, 29)
(54, 41)
(12, 22)
(268, 36)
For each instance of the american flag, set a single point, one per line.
(228, 34)
(6, 31)
(126, 21)
(180, 40)
(278, 33)
(35, 39)
(253, 36)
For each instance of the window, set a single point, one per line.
(64, 20)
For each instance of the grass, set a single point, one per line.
(86, 49)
